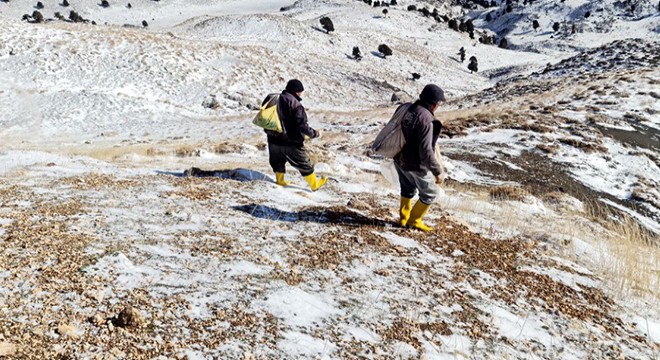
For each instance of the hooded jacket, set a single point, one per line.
(421, 131)
(294, 122)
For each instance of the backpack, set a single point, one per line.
(390, 139)
(267, 116)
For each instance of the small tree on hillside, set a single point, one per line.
(416, 76)
(453, 24)
(327, 24)
(357, 55)
(535, 24)
(473, 66)
(461, 53)
(555, 26)
(75, 17)
(105, 3)
(504, 44)
(411, 8)
(587, 14)
(37, 17)
(65, 3)
(469, 26)
(145, 23)
(489, 17)
(39, 5)
(385, 50)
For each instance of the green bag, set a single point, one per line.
(267, 117)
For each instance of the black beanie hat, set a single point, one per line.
(294, 86)
(432, 94)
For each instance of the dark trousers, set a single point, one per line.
(295, 155)
(413, 181)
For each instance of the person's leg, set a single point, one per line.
(428, 191)
(425, 184)
(408, 191)
(297, 157)
(277, 160)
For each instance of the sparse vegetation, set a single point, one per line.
(385, 50)
(327, 24)
(556, 26)
(37, 17)
(508, 192)
(187, 151)
(357, 55)
(473, 66)
(75, 17)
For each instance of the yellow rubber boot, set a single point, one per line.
(314, 182)
(279, 178)
(418, 211)
(404, 210)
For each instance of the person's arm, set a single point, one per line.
(426, 150)
(301, 119)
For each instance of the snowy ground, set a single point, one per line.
(240, 267)
(99, 123)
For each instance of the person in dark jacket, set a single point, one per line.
(289, 145)
(416, 164)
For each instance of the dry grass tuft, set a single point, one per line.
(154, 152)
(319, 155)
(193, 193)
(508, 192)
(586, 146)
(98, 181)
(405, 330)
(632, 261)
(548, 148)
(291, 276)
(187, 151)
(226, 148)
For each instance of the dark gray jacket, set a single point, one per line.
(421, 131)
(294, 122)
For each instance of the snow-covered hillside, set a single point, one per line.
(546, 240)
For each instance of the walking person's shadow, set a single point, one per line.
(333, 215)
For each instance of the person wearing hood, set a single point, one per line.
(289, 146)
(416, 165)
